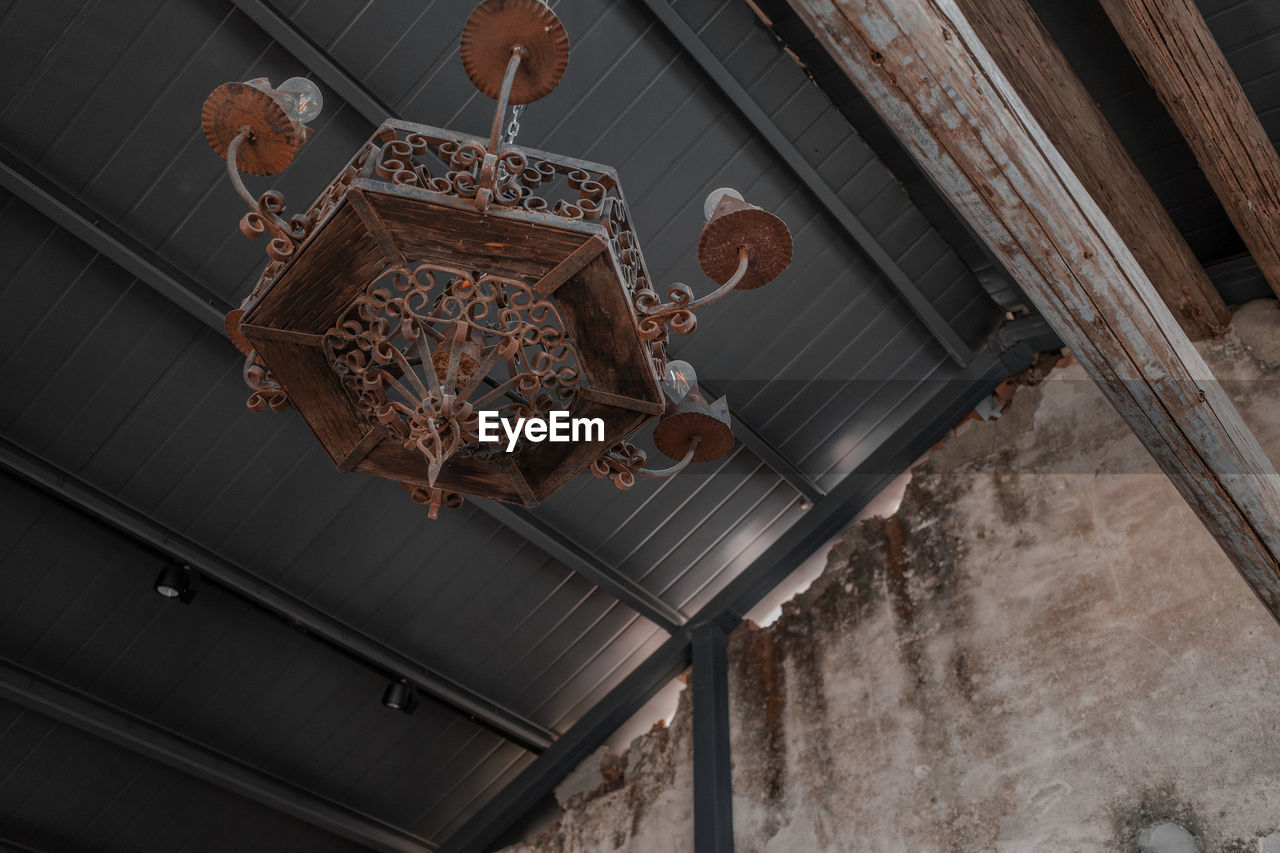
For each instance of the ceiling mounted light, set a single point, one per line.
(399, 696)
(442, 275)
(176, 582)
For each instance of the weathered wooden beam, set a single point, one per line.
(924, 68)
(1173, 46)
(1058, 99)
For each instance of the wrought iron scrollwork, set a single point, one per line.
(425, 348)
(655, 315)
(267, 392)
(433, 499)
(624, 462)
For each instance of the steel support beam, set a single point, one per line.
(985, 150)
(712, 764)
(91, 502)
(770, 455)
(312, 55)
(905, 440)
(56, 204)
(919, 304)
(209, 309)
(572, 555)
(122, 728)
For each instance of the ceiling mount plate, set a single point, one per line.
(737, 225)
(495, 29)
(276, 137)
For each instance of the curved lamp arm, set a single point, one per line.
(659, 473)
(679, 311)
(264, 211)
(623, 462)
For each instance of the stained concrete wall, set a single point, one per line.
(1042, 650)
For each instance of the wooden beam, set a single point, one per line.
(924, 68)
(1058, 99)
(1173, 46)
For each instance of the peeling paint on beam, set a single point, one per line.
(922, 66)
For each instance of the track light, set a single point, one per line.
(399, 696)
(175, 582)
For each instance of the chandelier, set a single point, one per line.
(443, 283)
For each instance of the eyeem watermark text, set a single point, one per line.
(557, 426)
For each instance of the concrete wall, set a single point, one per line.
(1042, 650)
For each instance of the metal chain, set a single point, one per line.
(514, 127)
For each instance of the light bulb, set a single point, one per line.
(305, 96)
(713, 200)
(679, 380)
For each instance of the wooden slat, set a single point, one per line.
(924, 68)
(1172, 44)
(377, 230)
(1056, 96)
(569, 267)
(287, 336)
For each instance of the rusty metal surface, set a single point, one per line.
(276, 137)
(734, 226)
(495, 29)
(410, 316)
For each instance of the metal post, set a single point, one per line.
(712, 766)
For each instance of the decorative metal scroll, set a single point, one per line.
(619, 464)
(425, 348)
(299, 227)
(433, 499)
(458, 165)
(624, 462)
(266, 390)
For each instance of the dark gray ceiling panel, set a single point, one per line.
(122, 802)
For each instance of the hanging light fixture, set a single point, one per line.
(441, 276)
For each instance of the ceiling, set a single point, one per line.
(250, 718)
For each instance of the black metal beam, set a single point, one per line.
(905, 441)
(574, 746)
(712, 764)
(572, 555)
(919, 304)
(316, 59)
(55, 203)
(88, 714)
(767, 453)
(90, 501)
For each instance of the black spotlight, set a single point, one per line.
(176, 582)
(399, 697)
